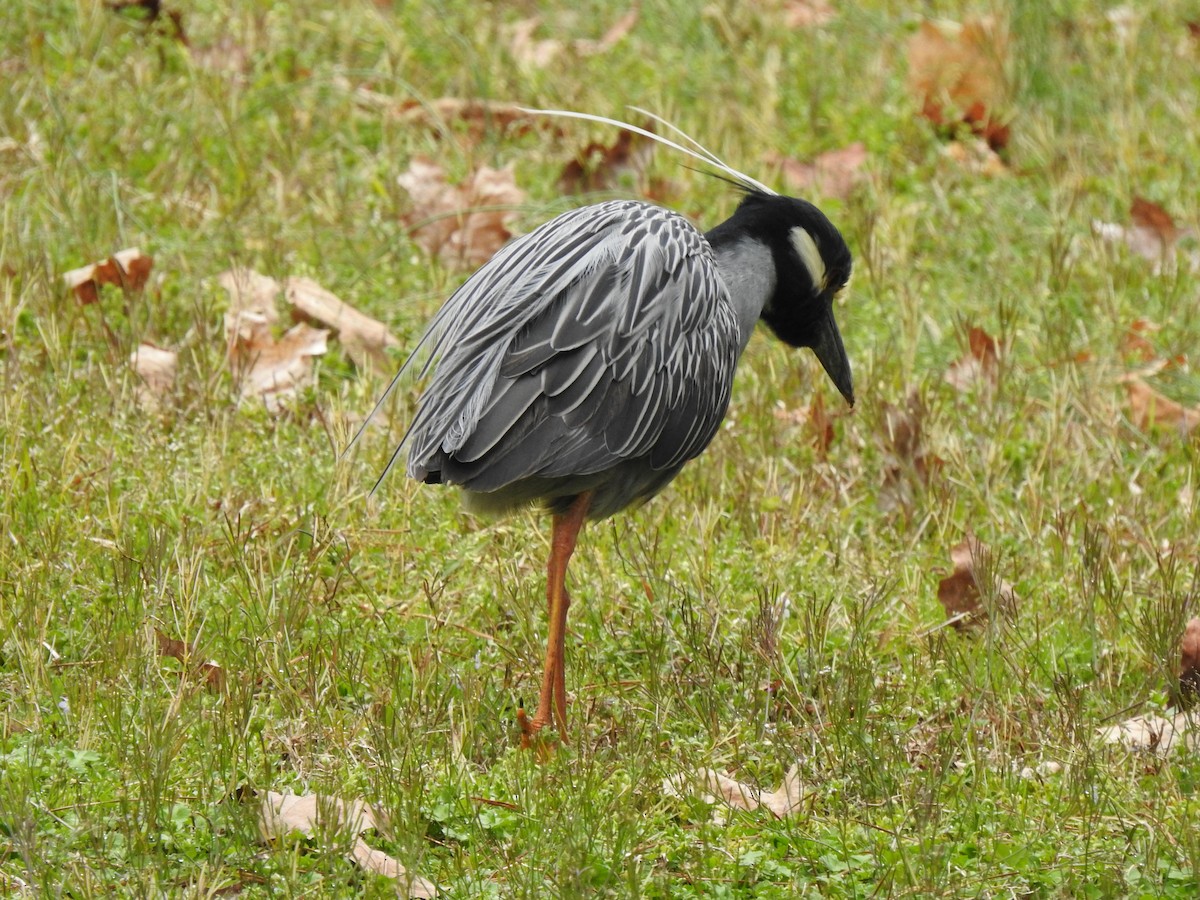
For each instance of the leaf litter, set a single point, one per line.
(1153, 235)
(274, 369)
(714, 787)
(957, 72)
(127, 269)
(314, 815)
(210, 672)
(834, 174)
(464, 223)
(534, 52)
(155, 368)
(973, 593)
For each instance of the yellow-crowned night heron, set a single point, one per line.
(585, 363)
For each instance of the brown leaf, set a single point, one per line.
(312, 814)
(464, 223)
(211, 672)
(977, 157)
(957, 73)
(263, 366)
(155, 368)
(252, 309)
(127, 269)
(808, 13)
(363, 337)
(534, 52)
(1147, 408)
(833, 174)
(1156, 221)
(1152, 734)
(275, 370)
(615, 34)
(909, 466)
(480, 116)
(528, 50)
(601, 168)
(959, 593)
(1189, 659)
(225, 56)
(1135, 344)
(712, 786)
(979, 365)
(1152, 235)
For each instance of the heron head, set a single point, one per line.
(812, 264)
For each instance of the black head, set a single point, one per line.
(812, 264)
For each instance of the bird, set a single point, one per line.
(590, 359)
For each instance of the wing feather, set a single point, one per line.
(604, 337)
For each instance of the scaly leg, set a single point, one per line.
(553, 699)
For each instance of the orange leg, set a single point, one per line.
(553, 698)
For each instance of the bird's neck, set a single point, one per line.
(748, 270)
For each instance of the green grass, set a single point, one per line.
(379, 649)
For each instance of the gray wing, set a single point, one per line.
(604, 336)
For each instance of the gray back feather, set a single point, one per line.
(604, 336)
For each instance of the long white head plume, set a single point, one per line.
(705, 155)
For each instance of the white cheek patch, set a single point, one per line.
(806, 249)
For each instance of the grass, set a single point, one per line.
(379, 649)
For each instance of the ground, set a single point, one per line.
(199, 603)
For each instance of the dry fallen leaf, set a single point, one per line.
(211, 672)
(1148, 408)
(957, 72)
(534, 52)
(909, 466)
(275, 370)
(1153, 235)
(960, 593)
(808, 13)
(128, 269)
(833, 174)
(224, 56)
(976, 157)
(712, 786)
(311, 814)
(263, 366)
(252, 309)
(599, 168)
(1152, 734)
(464, 223)
(1136, 344)
(979, 365)
(480, 116)
(155, 368)
(815, 419)
(363, 337)
(1189, 659)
